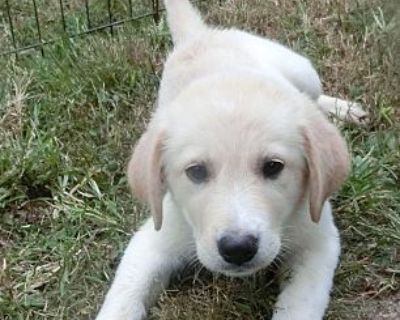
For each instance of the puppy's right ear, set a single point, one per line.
(145, 172)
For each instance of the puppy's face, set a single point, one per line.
(236, 182)
(235, 167)
(235, 164)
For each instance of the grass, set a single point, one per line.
(67, 124)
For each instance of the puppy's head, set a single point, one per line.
(239, 158)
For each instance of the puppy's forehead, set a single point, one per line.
(233, 117)
(232, 129)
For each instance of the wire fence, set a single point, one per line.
(22, 20)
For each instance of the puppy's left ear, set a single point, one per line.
(145, 172)
(327, 161)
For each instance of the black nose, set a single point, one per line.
(237, 249)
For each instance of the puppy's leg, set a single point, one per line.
(344, 110)
(306, 294)
(145, 269)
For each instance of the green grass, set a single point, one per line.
(68, 122)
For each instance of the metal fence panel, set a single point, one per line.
(112, 21)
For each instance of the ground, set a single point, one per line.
(68, 121)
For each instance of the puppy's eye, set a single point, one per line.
(271, 168)
(198, 173)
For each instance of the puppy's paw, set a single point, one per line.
(353, 112)
(135, 311)
(347, 111)
(295, 314)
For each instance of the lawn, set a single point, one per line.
(68, 121)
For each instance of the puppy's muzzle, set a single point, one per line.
(237, 249)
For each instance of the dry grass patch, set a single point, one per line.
(13, 105)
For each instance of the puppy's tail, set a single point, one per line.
(183, 19)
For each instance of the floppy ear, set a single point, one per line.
(327, 160)
(145, 173)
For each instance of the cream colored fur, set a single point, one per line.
(230, 100)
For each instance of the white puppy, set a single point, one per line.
(236, 165)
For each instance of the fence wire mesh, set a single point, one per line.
(26, 27)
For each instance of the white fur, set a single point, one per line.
(230, 98)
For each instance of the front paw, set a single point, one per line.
(298, 314)
(133, 311)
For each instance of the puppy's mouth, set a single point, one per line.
(232, 270)
(244, 270)
(239, 271)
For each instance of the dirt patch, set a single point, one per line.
(386, 309)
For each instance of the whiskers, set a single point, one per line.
(191, 256)
(193, 267)
(287, 248)
(193, 262)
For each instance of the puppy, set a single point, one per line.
(236, 165)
